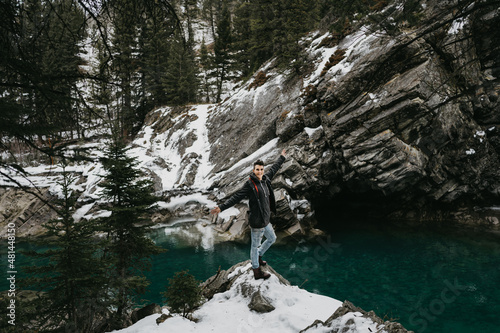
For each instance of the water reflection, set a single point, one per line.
(181, 233)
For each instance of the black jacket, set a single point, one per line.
(260, 196)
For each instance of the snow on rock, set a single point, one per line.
(228, 213)
(355, 46)
(177, 153)
(228, 309)
(351, 319)
(179, 201)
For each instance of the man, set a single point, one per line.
(261, 202)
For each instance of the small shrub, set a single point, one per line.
(284, 114)
(310, 93)
(330, 41)
(379, 4)
(334, 59)
(346, 28)
(183, 294)
(260, 79)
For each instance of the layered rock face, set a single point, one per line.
(24, 211)
(404, 125)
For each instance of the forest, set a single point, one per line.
(70, 65)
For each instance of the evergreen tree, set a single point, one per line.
(190, 14)
(156, 36)
(262, 36)
(206, 66)
(39, 64)
(183, 294)
(181, 80)
(242, 37)
(293, 19)
(128, 249)
(124, 63)
(222, 48)
(68, 272)
(210, 11)
(102, 94)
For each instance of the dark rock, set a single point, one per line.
(260, 304)
(144, 312)
(162, 318)
(26, 211)
(288, 125)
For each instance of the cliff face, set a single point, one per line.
(402, 124)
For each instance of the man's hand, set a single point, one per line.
(216, 210)
(283, 153)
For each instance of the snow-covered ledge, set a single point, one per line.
(233, 305)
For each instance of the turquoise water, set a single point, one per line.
(430, 281)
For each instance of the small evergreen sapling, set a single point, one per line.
(183, 294)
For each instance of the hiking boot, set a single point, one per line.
(259, 274)
(262, 262)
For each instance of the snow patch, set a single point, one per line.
(178, 201)
(470, 151)
(228, 213)
(310, 131)
(262, 152)
(456, 26)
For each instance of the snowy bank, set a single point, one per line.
(235, 305)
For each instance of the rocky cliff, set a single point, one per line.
(402, 124)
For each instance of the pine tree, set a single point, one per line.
(157, 33)
(39, 63)
(293, 19)
(128, 248)
(181, 80)
(206, 66)
(125, 62)
(183, 294)
(210, 12)
(222, 48)
(262, 36)
(68, 271)
(242, 36)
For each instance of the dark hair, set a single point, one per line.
(258, 162)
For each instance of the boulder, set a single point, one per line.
(147, 310)
(162, 318)
(260, 304)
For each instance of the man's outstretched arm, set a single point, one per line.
(233, 200)
(277, 165)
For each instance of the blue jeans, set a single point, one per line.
(257, 249)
